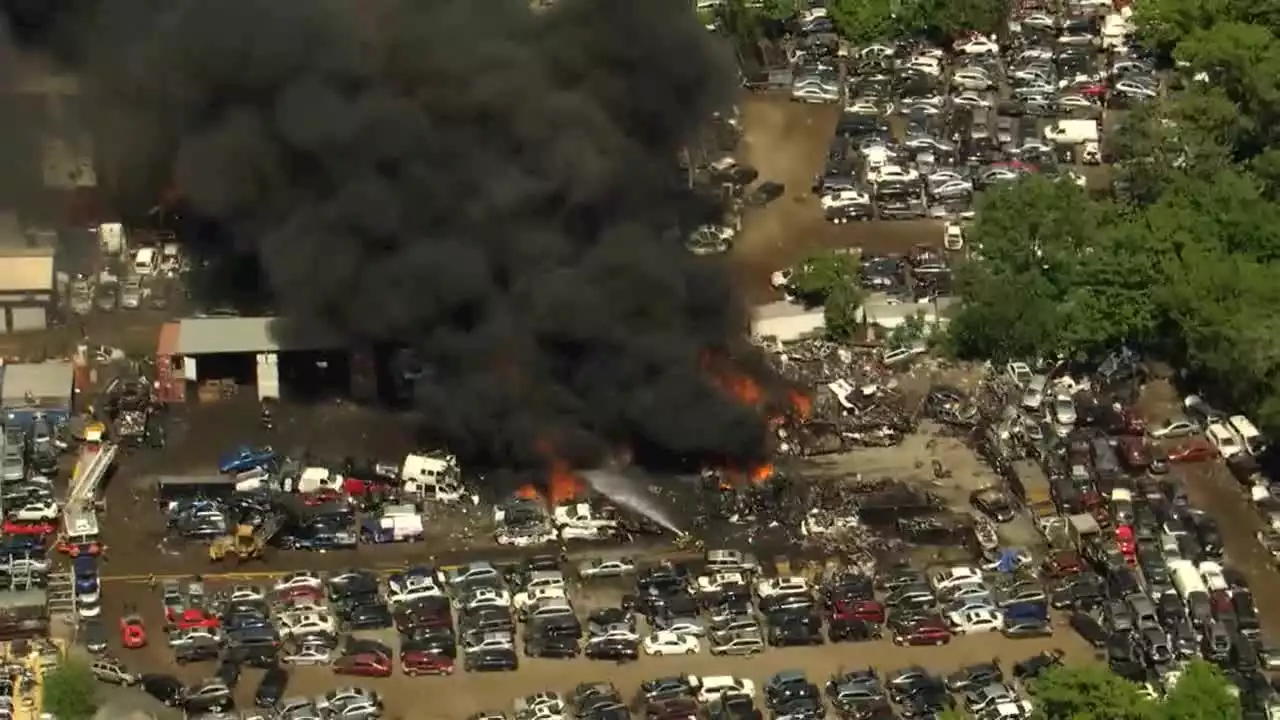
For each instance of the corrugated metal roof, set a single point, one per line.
(206, 336)
(40, 380)
(167, 344)
(21, 273)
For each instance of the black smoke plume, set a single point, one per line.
(494, 187)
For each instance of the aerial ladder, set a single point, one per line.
(80, 509)
(91, 468)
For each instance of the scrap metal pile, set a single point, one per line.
(855, 401)
(880, 516)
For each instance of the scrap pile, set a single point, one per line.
(854, 400)
(879, 517)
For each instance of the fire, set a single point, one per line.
(736, 383)
(762, 473)
(801, 404)
(563, 485)
(528, 492)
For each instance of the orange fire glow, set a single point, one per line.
(801, 404)
(762, 473)
(563, 485)
(528, 492)
(736, 383)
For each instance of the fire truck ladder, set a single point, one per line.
(91, 468)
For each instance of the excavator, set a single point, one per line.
(248, 541)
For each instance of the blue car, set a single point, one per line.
(18, 544)
(245, 458)
(85, 569)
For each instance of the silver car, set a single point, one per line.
(607, 567)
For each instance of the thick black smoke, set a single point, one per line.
(492, 186)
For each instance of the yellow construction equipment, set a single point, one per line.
(248, 541)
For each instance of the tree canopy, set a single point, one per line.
(1092, 692)
(1182, 261)
(70, 692)
(829, 280)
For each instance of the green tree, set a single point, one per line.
(1202, 693)
(70, 692)
(1089, 692)
(865, 21)
(841, 309)
(814, 279)
(778, 9)
(911, 332)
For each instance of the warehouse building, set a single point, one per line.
(214, 357)
(27, 283)
(30, 389)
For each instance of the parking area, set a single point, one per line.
(308, 621)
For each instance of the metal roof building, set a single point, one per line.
(206, 336)
(48, 383)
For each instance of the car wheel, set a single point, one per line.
(411, 673)
(940, 642)
(691, 651)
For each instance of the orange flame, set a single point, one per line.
(762, 473)
(737, 384)
(528, 492)
(801, 404)
(562, 484)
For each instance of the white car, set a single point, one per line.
(1213, 576)
(581, 515)
(955, 577)
(616, 633)
(1224, 440)
(975, 621)
(714, 687)
(842, 198)
(977, 45)
(574, 532)
(403, 584)
(295, 623)
(528, 598)
(894, 173)
(777, 587)
(301, 579)
(953, 236)
(89, 609)
(308, 655)
(1020, 373)
(972, 79)
(246, 593)
(720, 581)
(43, 511)
(971, 99)
(1064, 410)
(669, 643)
(607, 567)
(485, 597)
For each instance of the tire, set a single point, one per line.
(690, 652)
(411, 673)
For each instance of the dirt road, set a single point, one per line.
(787, 142)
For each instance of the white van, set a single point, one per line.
(1254, 441)
(1224, 439)
(146, 261)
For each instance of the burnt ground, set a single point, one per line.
(787, 142)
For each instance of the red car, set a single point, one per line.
(195, 618)
(421, 662)
(1063, 563)
(865, 610)
(133, 633)
(321, 497)
(1126, 543)
(43, 529)
(923, 631)
(1194, 450)
(365, 664)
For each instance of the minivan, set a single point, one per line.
(1253, 439)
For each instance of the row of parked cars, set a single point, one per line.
(983, 690)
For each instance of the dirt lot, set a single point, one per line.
(787, 143)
